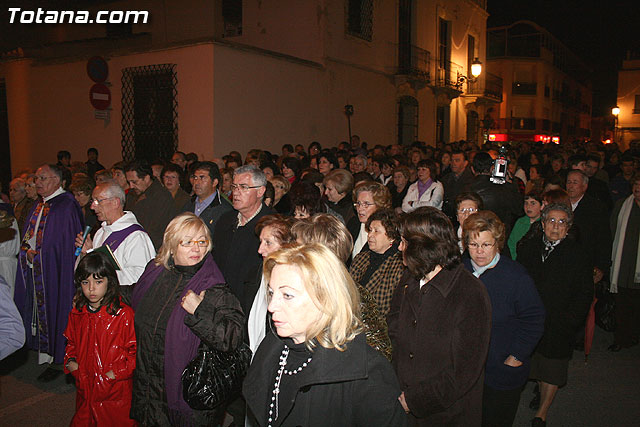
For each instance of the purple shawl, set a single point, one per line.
(181, 344)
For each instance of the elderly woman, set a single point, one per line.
(30, 187)
(561, 271)
(399, 186)
(180, 300)
(281, 187)
(467, 204)
(171, 175)
(317, 369)
(273, 232)
(426, 191)
(328, 230)
(82, 187)
(338, 187)
(517, 317)
(439, 325)
(379, 268)
(369, 196)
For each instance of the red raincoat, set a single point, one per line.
(101, 343)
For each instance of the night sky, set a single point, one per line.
(599, 32)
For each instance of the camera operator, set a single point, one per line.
(503, 199)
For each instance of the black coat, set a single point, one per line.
(440, 336)
(502, 199)
(565, 284)
(235, 250)
(592, 222)
(454, 185)
(212, 213)
(355, 387)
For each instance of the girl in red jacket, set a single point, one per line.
(101, 347)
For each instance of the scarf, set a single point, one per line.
(549, 246)
(477, 270)
(423, 187)
(181, 344)
(618, 242)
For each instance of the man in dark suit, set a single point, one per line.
(592, 221)
(455, 182)
(235, 243)
(207, 203)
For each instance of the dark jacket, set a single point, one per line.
(180, 199)
(440, 338)
(235, 250)
(218, 322)
(344, 207)
(153, 209)
(454, 185)
(212, 213)
(355, 387)
(565, 284)
(592, 222)
(517, 322)
(502, 199)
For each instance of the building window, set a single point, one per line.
(522, 88)
(636, 105)
(360, 18)
(442, 124)
(149, 112)
(473, 126)
(407, 120)
(232, 17)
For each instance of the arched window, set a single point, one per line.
(407, 120)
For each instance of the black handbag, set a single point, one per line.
(214, 377)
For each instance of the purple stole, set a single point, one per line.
(117, 237)
(38, 282)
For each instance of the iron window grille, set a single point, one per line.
(149, 112)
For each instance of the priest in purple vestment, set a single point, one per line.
(44, 283)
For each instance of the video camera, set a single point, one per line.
(499, 172)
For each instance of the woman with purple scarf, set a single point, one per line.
(426, 191)
(179, 300)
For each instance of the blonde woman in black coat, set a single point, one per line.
(317, 369)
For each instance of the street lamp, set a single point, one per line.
(615, 111)
(476, 68)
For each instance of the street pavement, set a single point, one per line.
(603, 392)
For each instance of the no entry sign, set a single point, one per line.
(100, 96)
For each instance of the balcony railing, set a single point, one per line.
(448, 75)
(414, 61)
(487, 85)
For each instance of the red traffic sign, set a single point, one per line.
(100, 96)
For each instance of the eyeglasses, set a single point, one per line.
(467, 210)
(192, 243)
(485, 246)
(363, 204)
(43, 178)
(243, 187)
(98, 201)
(558, 222)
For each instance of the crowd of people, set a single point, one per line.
(387, 285)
